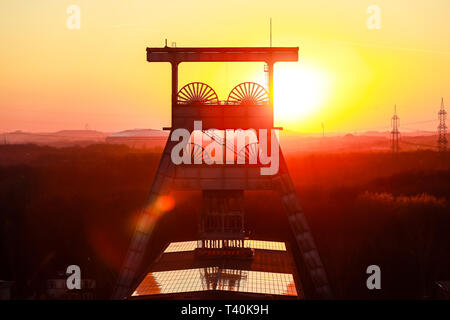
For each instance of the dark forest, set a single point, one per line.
(79, 205)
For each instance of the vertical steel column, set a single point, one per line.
(270, 65)
(148, 217)
(174, 65)
(282, 182)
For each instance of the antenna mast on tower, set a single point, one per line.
(266, 66)
(271, 32)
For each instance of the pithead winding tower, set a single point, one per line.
(221, 232)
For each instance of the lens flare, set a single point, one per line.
(165, 204)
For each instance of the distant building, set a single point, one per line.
(139, 138)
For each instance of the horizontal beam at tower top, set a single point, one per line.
(223, 54)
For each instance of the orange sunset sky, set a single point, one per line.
(348, 76)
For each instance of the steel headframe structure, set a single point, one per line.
(249, 107)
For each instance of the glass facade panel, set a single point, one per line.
(265, 245)
(164, 282)
(254, 244)
(214, 278)
(181, 246)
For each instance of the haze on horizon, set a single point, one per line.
(348, 77)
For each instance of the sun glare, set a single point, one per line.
(299, 92)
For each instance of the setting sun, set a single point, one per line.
(299, 92)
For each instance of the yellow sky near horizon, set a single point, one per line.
(348, 76)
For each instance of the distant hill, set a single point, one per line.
(140, 133)
(80, 133)
(59, 138)
(290, 141)
(79, 137)
(351, 142)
